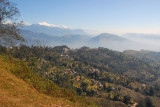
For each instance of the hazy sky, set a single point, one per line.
(113, 16)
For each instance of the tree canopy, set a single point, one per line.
(9, 32)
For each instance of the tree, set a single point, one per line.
(127, 99)
(79, 91)
(84, 86)
(147, 102)
(9, 32)
(151, 91)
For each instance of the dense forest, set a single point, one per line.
(98, 74)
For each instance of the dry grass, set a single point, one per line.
(14, 92)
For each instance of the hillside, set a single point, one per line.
(21, 93)
(116, 62)
(15, 92)
(97, 73)
(150, 57)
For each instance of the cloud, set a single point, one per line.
(8, 22)
(26, 23)
(51, 25)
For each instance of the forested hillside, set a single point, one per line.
(22, 87)
(101, 75)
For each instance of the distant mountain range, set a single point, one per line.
(74, 41)
(53, 31)
(37, 34)
(51, 36)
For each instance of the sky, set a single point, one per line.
(94, 16)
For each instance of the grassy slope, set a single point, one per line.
(16, 92)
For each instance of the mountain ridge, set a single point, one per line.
(53, 31)
(72, 40)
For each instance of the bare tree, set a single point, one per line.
(9, 32)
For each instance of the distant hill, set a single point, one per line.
(110, 41)
(74, 41)
(33, 38)
(106, 37)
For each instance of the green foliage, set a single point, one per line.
(116, 62)
(9, 32)
(2, 49)
(87, 72)
(42, 84)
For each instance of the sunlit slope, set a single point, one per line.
(15, 92)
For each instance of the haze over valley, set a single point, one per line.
(45, 34)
